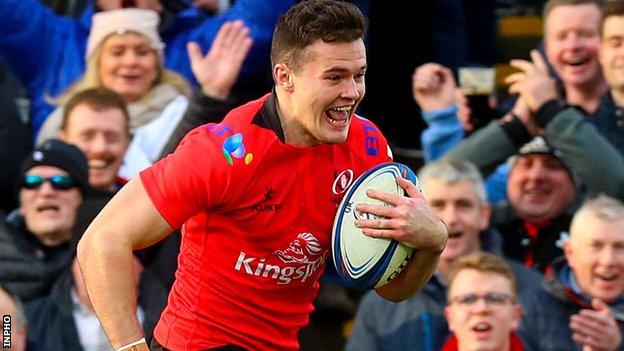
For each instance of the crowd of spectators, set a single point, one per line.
(557, 149)
(533, 201)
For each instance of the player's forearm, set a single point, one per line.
(429, 242)
(107, 269)
(419, 269)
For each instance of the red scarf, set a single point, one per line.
(532, 229)
(451, 343)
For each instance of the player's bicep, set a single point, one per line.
(130, 219)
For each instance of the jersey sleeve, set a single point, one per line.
(190, 180)
(375, 144)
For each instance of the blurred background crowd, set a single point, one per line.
(511, 110)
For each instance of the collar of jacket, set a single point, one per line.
(565, 294)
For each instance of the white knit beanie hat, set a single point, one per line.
(125, 20)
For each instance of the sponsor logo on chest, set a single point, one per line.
(298, 262)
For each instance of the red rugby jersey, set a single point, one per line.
(256, 217)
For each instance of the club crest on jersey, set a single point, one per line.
(303, 256)
(305, 244)
(342, 181)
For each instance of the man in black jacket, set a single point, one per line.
(35, 238)
(541, 190)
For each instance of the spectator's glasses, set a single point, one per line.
(491, 298)
(58, 182)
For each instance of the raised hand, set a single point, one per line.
(433, 86)
(533, 83)
(596, 329)
(217, 71)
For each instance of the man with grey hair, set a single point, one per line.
(454, 189)
(14, 320)
(582, 304)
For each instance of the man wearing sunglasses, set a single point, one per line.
(482, 310)
(35, 238)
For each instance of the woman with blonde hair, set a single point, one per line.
(45, 51)
(125, 54)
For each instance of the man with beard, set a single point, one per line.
(572, 43)
(96, 121)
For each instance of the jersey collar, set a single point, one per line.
(268, 117)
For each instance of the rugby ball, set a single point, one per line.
(360, 260)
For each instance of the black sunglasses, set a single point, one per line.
(58, 182)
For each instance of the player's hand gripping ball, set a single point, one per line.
(363, 261)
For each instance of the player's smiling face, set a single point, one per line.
(325, 91)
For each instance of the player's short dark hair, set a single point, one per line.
(308, 21)
(98, 99)
(609, 9)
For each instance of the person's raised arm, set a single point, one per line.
(411, 221)
(259, 16)
(599, 165)
(217, 71)
(434, 90)
(128, 222)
